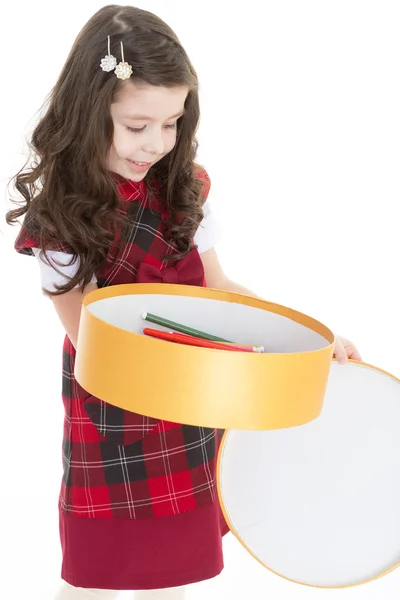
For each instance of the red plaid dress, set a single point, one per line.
(138, 503)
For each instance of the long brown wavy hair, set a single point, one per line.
(68, 193)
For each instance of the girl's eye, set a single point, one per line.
(137, 130)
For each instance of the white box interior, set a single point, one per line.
(235, 322)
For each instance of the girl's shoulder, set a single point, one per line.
(30, 237)
(201, 174)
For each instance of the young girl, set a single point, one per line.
(114, 187)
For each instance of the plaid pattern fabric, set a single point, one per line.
(116, 463)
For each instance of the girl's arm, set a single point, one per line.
(68, 307)
(216, 278)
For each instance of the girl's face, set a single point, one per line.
(145, 126)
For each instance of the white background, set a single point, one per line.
(300, 134)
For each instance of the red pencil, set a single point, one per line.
(187, 340)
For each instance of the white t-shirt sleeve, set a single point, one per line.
(48, 273)
(209, 232)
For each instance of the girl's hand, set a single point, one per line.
(345, 349)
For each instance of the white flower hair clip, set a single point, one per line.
(109, 63)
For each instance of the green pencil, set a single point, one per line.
(182, 328)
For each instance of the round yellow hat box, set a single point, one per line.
(282, 387)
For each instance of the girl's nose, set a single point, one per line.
(154, 145)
